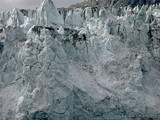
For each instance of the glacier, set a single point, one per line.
(80, 64)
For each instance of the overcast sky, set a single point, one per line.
(10, 4)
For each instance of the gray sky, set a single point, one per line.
(10, 4)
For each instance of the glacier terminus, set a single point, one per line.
(91, 63)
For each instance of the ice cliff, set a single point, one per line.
(80, 64)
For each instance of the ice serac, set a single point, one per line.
(74, 18)
(48, 15)
(16, 18)
(101, 64)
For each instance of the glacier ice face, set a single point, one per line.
(97, 64)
